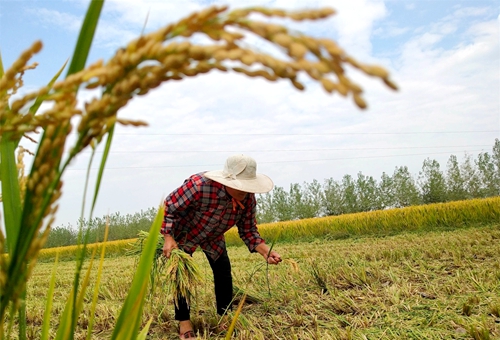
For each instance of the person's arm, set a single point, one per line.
(179, 200)
(247, 229)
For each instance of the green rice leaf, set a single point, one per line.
(22, 324)
(86, 185)
(235, 318)
(267, 263)
(102, 166)
(48, 306)
(142, 335)
(82, 49)
(97, 285)
(85, 37)
(63, 331)
(11, 192)
(73, 307)
(1, 66)
(39, 100)
(129, 320)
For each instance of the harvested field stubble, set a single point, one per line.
(438, 285)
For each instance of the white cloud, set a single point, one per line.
(49, 17)
(355, 22)
(410, 6)
(390, 30)
(466, 12)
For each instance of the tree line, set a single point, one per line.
(472, 178)
(121, 227)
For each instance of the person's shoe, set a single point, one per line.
(186, 331)
(223, 324)
(189, 335)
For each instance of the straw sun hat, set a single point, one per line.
(240, 172)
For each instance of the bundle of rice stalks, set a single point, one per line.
(138, 245)
(159, 261)
(182, 275)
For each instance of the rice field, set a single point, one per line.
(442, 284)
(439, 216)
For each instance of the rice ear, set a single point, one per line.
(182, 275)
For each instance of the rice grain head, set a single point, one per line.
(182, 276)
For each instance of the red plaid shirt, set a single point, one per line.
(199, 213)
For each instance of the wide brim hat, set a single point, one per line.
(240, 172)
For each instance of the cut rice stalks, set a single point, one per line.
(158, 262)
(182, 275)
(138, 245)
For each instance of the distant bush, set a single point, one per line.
(120, 228)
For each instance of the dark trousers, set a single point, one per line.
(223, 283)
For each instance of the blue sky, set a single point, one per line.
(445, 56)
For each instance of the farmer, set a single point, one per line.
(199, 212)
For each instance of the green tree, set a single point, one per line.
(385, 192)
(332, 191)
(405, 189)
(349, 197)
(265, 208)
(455, 183)
(472, 182)
(366, 192)
(496, 157)
(296, 201)
(314, 198)
(282, 206)
(432, 182)
(60, 236)
(487, 175)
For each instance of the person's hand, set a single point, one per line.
(168, 245)
(273, 258)
(269, 255)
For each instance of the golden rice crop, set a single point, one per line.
(424, 217)
(182, 275)
(432, 216)
(113, 248)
